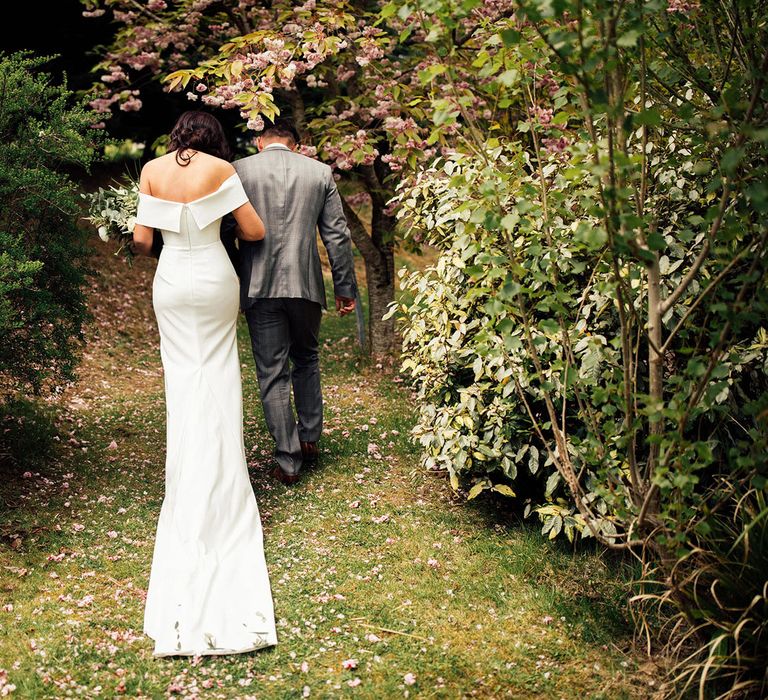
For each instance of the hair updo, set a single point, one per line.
(199, 131)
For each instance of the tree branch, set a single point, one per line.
(666, 304)
(701, 296)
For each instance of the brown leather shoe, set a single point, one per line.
(284, 478)
(309, 451)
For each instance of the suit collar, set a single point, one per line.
(277, 145)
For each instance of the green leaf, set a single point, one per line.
(629, 38)
(656, 241)
(481, 59)
(476, 490)
(648, 117)
(552, 482)
(389, 10)
(405, 12)
(509, 77)
(504, 490)
(511, 220)
(533, 459)
(549, 326)
(592, 235)
(731, 159)
(510, 37)
(431, 72)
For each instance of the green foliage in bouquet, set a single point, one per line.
(112, 211)
(42, 250)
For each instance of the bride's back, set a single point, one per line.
(185, 183)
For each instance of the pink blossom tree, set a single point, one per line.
(351, 84)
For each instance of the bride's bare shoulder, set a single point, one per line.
(219, 165)
(165, 158)
(205, 170)
(157, 164)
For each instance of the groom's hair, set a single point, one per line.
(283, 129)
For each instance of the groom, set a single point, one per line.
(282, 291)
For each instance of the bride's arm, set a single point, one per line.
(250, 227)
(143, 235)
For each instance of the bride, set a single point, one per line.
(209, 588)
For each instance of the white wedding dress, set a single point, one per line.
(209, 589)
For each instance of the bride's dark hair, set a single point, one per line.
(198, 131)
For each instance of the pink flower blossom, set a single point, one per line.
(256, 124)
(555, 145)
(213, 100)
(6, 687)
(541, 115)
(683, 6)
(349, 664)
(309, 151)
(409, 679)
(132, 104)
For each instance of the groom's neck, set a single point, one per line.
(288, 143)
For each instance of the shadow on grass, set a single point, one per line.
(28, 441)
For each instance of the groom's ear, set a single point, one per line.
(260, 143)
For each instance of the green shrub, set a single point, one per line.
(42, 250)
(602, 292)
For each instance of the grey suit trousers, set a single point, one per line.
(283, 330)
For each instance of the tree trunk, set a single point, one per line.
(298, 110)
(381, 293)
(378, 253)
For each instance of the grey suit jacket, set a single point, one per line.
(295, 196)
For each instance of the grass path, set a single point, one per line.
(372, 562)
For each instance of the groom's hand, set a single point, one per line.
(344, 305)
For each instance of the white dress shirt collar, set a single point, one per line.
(276, 145)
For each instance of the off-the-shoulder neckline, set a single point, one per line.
(192, 201)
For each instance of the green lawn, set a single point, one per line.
(372, 561)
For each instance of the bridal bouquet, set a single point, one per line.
(113, 212)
